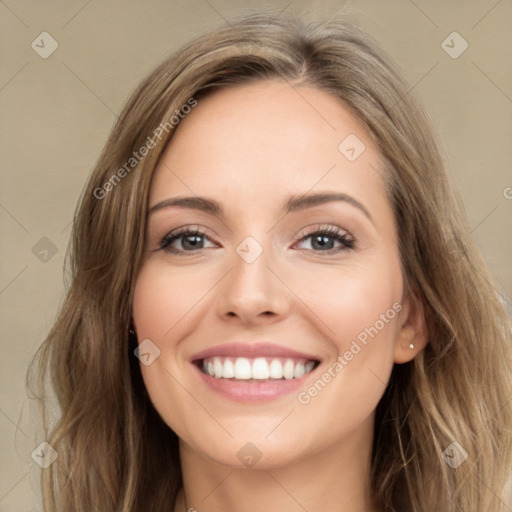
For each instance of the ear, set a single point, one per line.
(412, 330)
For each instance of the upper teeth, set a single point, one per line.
(259, 368)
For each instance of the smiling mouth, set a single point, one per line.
(256, 369)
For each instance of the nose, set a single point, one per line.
(253, 293)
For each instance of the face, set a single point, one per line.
(272, 298)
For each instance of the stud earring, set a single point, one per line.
(411, 346)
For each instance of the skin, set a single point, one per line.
(249, 148)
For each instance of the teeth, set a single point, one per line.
(276, 369)
(228, 371)
(217, 368)
(299, 370)
(259, 368)
(309, 366)
(242, 368)
(288, 369)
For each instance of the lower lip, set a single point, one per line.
(243, 391)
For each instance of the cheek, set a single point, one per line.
(362, 307)
(163, 297)
(163, 301)
(351, 299)
(359, 309)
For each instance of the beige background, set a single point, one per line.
(57, 113)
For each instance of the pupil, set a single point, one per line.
(192, 240)
(323, 241)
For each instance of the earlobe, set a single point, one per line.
(412, 335)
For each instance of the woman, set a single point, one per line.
(276, 303)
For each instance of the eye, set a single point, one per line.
(184, 240)
(325, 240)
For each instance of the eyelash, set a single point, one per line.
(332, 232)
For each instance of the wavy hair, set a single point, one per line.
(117, 454)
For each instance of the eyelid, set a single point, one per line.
(342, 236)
(311, 230)
(182, 230)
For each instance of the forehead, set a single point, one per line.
(265, 139)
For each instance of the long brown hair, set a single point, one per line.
(117, 454)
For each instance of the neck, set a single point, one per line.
(335, 479)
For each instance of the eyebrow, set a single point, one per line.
(293, 203)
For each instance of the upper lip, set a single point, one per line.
(251, 350)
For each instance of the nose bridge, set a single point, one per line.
(251, 288)
(250, 276)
